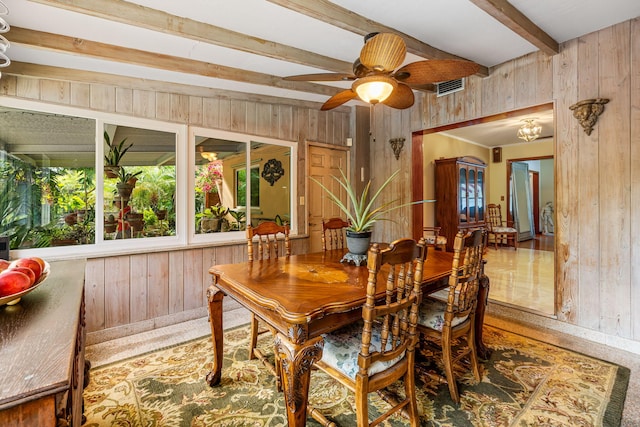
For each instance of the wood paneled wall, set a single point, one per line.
(597, 176)
(122, 291)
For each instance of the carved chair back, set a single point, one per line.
(267, 238)
(333, 233)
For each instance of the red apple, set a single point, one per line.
(4, 265)
(29, 263)
(12, 282)
(29, 272)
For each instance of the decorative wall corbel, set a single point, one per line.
(396, 146)
(587, 112)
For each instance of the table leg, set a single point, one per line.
(214, 296)
(296, 361)
(483, 298)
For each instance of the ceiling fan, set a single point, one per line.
(374, 78)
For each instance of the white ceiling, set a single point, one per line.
(504, 131)
(456, 27)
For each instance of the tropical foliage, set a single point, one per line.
(114, 152)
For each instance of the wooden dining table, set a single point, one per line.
(302, 297)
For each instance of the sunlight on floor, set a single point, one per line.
(522, 277)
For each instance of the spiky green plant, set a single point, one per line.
(362, 214)
(115, 151)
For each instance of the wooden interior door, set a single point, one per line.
(324, 163)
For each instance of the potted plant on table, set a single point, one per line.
(361, 212)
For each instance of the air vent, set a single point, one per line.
(451, 86)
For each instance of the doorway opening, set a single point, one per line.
(524, 278)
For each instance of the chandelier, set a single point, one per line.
(210, 156)
(530, 130)
(207, 155)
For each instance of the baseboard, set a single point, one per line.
(498, 315)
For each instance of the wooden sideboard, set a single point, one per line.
(42, 352)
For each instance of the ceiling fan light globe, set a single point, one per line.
(374, 89)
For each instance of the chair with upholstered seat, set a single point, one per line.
(500, 231)
(266, 235)
(441, 323)
(371, 354)
(434, 239)
(333, 233)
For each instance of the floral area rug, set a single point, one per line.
(524, 383)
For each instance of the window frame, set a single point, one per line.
(235, 236)
(100, 247)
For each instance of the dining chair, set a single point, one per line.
(434, 239)
(441, 324)
(333, 233)
(498, 229)
(267, 241)
(375, 352)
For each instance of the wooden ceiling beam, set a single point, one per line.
(26, 69)
(75, 46)
(325, 11)
(517, 22)
(156, 20)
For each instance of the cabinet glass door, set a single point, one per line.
(471, 195)
(480, 195)
(463, 195)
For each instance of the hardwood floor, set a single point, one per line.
(542, 242)
(523, 277)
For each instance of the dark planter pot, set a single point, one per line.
(71, 219)
(124, 190)
(161, 214)
(358, 242)
(135, 220)
(111, 171)
(63, 242)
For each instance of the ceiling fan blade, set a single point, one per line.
(435, 70)
(401, 98)
(425, 87)
(383, 53)
(321, 77)
(339, 99)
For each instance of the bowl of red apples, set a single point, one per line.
(19, 277)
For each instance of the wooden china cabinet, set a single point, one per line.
(460, 195)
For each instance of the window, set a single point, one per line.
(140, 182)
(47, 179)
(224, 201)
(61, 169)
